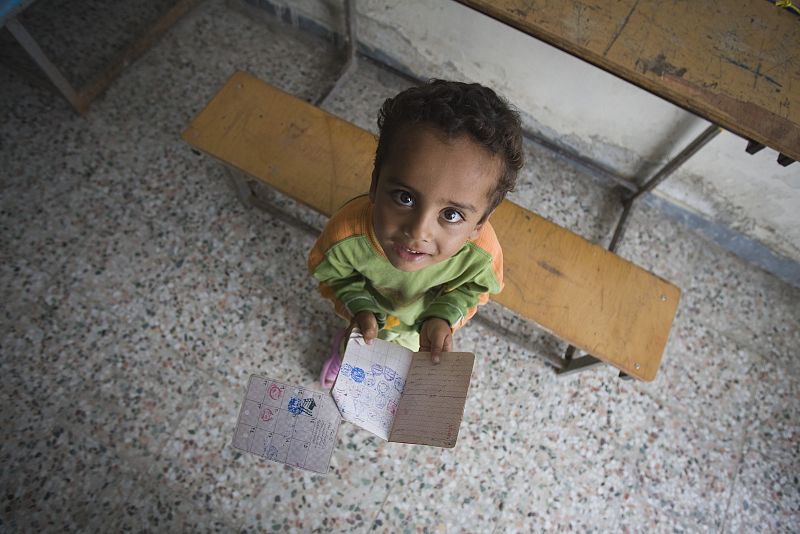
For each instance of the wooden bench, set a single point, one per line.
(570, 287)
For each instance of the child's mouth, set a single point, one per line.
(408, 254)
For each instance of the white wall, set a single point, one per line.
(578, 105)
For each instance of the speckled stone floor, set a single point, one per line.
(138, 295)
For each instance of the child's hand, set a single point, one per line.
(366, 322)
(435, 337)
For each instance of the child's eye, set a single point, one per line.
(452, 216)
(403, 198)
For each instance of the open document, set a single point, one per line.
(400, 395)
(287, 424)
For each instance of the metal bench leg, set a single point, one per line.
(241, 186)
(576, 365)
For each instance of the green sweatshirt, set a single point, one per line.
(355, 275)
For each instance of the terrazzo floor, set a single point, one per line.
(138, 295)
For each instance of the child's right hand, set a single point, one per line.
(366, 322)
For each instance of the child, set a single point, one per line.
(411, 261)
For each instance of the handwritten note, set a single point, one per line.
(287, 424)
(400, 395)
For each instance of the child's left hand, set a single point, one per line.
(435, 337)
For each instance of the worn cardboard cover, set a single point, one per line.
(432, 404)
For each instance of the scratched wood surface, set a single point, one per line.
(734, 63)
(572, 288)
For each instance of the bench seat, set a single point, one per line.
(570, 287)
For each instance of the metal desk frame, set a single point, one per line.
(81, 98)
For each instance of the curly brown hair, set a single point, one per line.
(455, 109)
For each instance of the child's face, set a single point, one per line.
(430, 196)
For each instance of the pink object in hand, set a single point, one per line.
(330, 369)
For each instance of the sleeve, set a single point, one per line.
(334, 258)
(341, 283)
(458, 302)
(458, 305)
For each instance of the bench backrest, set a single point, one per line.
(578, 291)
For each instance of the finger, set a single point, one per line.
(424, 347)
(438, 343)
(369, 327)
(447, 346)
(424, 340)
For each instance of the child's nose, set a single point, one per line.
(420, 228)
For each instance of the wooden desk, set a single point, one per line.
(736, 64)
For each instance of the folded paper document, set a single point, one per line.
(400, 395)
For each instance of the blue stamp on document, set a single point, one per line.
(297, 406)
(357, 374)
